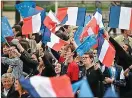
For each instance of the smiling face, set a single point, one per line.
(17, 85)
(58, 68)
(7, 82)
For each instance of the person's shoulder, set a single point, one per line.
(118, 37)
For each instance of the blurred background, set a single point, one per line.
(8, 7)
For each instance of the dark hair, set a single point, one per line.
(129, 49)
(19, 34)
(17, 28)
(122, 30)
(64, 27)
(11, 44)
(90, 54)
(71, 47)
(62, 35)
(20, 23)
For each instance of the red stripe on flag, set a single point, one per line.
(61, 13)
(131, 21)
(58, 46)
(94, 26)
(49, 23)
(62, 86)
(109, 56)
(27, 26)
(39, 8)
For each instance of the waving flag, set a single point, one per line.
(86, 45)
(77, 35)
(39, 8)
(51, 22)
(110, 93)
(93, 25)
(55, 42)
(33, 24)
(85, 90)
(6, 29)
(105, 51)
(120, 17)
(80, 30)
(39, 86)
(72, 16)
(46, 36)
(24, 7)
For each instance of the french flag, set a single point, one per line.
(120, 17)
(39, 86)
(93, 26)
(105, 52)
(55, 42)
(51, 22)
(33, 24)
(72, 16)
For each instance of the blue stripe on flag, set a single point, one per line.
(77, 35)
(46, 36)
(87, 19)
(43, 15)
(81, 16)
(64, 20)
(100, 43)
(26, 84)
(114, 16)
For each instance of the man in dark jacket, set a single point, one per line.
(8, 90)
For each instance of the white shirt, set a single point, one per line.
(6, 91)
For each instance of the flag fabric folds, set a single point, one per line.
(39, 86)
(51, 22)
(33, 24)
(46, 36)
(120, 17)
(24, 7)
(55, 42)
(6, 29)
(105, 52)
(86, 45)
(72, 16)
(87, 19)
(110, 93)
(85, 90)
(93, 26)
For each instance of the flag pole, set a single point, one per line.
(56, 6)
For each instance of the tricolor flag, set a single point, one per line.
(33, 24)
(93, 26)
(72, 16)
(105, 51)
(39, 86)
(120, 17)
(55, 42)
(51, 22)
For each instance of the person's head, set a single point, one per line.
(12, 54)
(126, 32)
(7, 80)
(62, 51)
(19, 36)
(69, 52)
(87, 58)
(62, 35)
(18, 86)
(127, 48)
(5, 48)
(16, 29)
(58, 68)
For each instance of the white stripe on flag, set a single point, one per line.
(36, 23)
(125, 16)
(90, 31)
(72, 13)
(54, 40)
(53, 17)
(43, 86)
(103, 51)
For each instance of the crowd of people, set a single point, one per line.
(28, 56)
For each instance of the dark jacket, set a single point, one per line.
(123, 59)
(29, 65)
(11, 94)
(95, 77)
